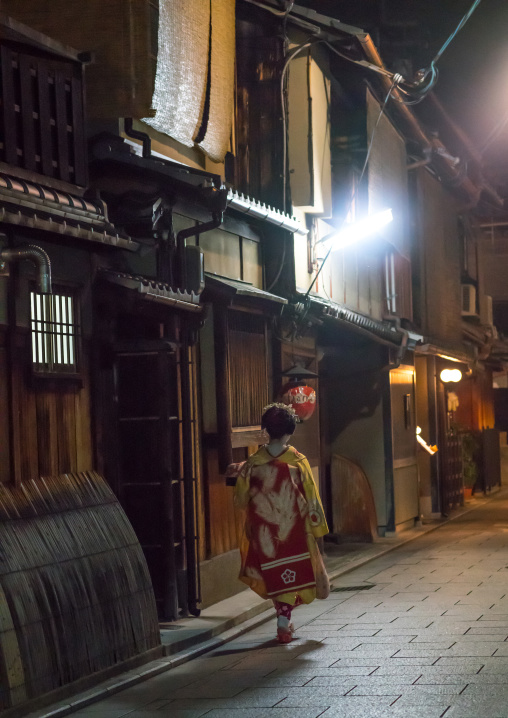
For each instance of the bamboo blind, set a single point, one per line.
(193, 98)
(248, 368)
(182, 67)
(222, 75)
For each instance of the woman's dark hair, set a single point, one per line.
(278, 420)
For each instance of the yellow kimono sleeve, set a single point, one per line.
(316, 515)
(242, 487)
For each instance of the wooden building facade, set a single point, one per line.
(184, 230)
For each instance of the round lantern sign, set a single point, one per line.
(301, 398)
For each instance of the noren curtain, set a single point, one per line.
(194, 84)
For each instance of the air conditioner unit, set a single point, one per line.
(468, 300)
(487, 314)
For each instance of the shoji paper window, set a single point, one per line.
(55, 333)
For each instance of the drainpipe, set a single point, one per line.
(137, 135)
(36, 255)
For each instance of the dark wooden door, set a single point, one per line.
(146, 395)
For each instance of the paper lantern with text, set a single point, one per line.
(301, 398)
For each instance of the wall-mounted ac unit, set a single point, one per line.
(468, 300)
(487, 313)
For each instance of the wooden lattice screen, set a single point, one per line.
(41, 116)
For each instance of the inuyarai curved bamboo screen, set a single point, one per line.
(194, 84)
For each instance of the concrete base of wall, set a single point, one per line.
(399, 528)
(504, 465)
(426, 506)
(219, 578)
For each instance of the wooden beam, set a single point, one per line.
(221, 340)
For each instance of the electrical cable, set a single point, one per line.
(455, 32)
(426, 79)
(353, 195)
(362, 63)
(290, 57)
(281, 13)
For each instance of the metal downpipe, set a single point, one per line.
(36, 255)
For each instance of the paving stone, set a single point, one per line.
(359, 680)
(357, 632)
(425, 693)
(479, 648)
(411, 622)
(390, 660)
(408, 670)
(97, 711)
(226, 688)
(342, 705)
(310, 672)
(488, 705)
(427, 640)
(462, 678)
(346, 643)
(248, 698)
(296, 680)
(463, 638)
(261, 713)
(375, 649)
(430, 645)
(414, 711)
(404, 708)
(495, 665)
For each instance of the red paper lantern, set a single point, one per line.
(301, 398)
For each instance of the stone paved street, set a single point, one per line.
(427, 639)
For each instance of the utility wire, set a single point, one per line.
(429, 77)
(457, 29)
(363, 63)
(290, 57)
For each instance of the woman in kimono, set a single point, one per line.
(283, 516)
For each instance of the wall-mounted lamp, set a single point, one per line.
(352, 233)
(450, 375)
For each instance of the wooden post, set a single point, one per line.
(221, 340)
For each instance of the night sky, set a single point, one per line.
(473, 81)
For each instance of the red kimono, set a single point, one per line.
(283, 515)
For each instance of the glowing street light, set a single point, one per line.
(450, 375)
(351, 233)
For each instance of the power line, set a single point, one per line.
(426, 79)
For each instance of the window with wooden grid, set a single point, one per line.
(55, 333)
(42, 116)
(248, 361)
